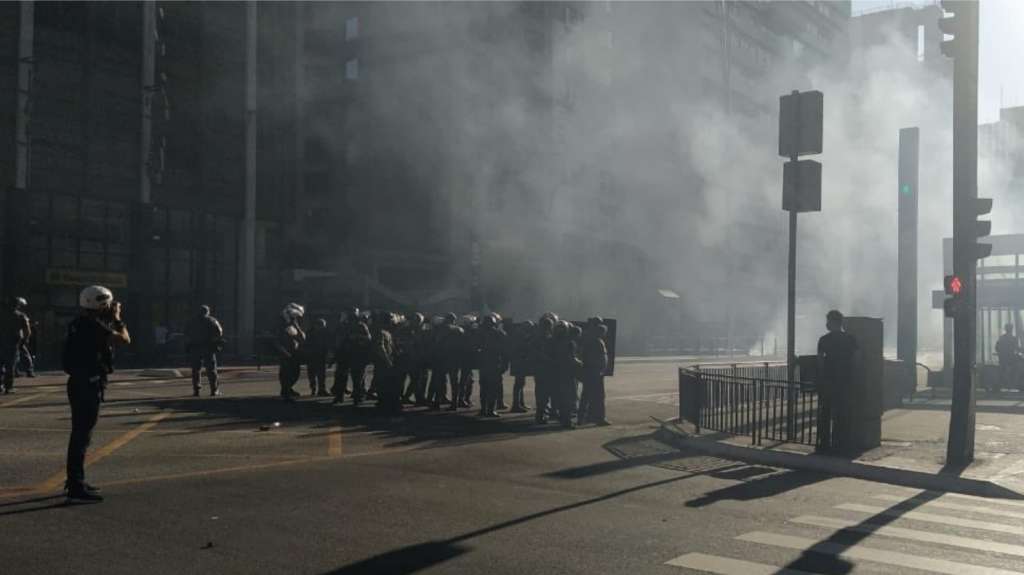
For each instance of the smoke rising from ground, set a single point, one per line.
(599, 168)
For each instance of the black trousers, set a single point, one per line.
(541, 395)
(316, 372)
(8, 365)
(288, 373)
(592, 400)
(84, 396)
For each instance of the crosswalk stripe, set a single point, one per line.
(727, 566)
(959, 507)
(991, 500)
(911, 534)
(872, 554)
(932, 518)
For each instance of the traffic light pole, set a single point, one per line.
(791, 329)
(960, 450)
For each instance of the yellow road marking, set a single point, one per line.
(58, 478)
(334, 442)
(22, 399)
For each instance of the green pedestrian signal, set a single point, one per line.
(905, 189)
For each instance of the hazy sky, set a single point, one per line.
(1002, 51)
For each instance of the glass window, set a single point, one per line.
(352, 69)
(352, 28)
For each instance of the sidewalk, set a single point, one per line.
(912, 453)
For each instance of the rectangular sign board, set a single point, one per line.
(801, 186)
(801, 116)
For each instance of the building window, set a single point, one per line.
(352, 69)
(352, 28)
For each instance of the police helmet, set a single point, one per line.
(450, 317)
(416, 319)
(95, 298)
(575, 331)
(20, 303)
(488, 321)
(321, 322)
(204, 310)
(293, 311)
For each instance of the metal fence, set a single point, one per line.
(759, 407)
(764, 370)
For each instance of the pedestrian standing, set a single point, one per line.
(15, 330)
(492, 353)
(204, 340)
(88, 359)
(837, 361)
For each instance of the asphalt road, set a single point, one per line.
(194, 486)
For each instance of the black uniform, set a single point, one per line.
(352, 357)
(318, 346)
(492, 358)
(519, 344)
(837, 351)
(205, 339)
(87, 361)
(408, 341)
(466, 362)
(566, 367)
(594, 355)
(14, 331)
(541, 353)
(384, 371)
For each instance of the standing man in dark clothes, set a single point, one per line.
(838, 356)
(566, 366)
(542, 360)
(204, 339)
(492, 353)
(352, 357)
(594, 355)
(520, 356)
(318, 345)
(409, 347)
(383, 356)
(1008, 350)
(87, 360)
(441, 359)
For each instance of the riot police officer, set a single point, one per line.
(318, 345)
(352, 357)
(290, 339)
(409, 350)
(541, 358)
(15, 330)
(26, 362)
(594, 355)
(383, 356)
(493, 362)
(520, 358)
(566, 367)
(205, 338)
(87, 360)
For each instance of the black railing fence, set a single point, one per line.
(763, 408)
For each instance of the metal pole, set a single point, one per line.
(26, 35)
(791, 328)
(148, 80)
(960, 449)
(247, 269)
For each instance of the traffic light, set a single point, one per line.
(954, 288)
(952, 26)
(982, 228)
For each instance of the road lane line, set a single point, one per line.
(932, 518)
(912, 534)
(726, 566)
(958, 507)
(334, 442)
(871, 554)
(58, 478)
(23, 399)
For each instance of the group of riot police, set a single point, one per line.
(416, 362)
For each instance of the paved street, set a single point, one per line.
(194, 485)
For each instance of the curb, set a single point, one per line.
(671, 434)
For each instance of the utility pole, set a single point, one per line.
(247, 267)
(963, 49)
(906, 290)
(801, 116)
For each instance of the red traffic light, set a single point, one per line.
(953, 285)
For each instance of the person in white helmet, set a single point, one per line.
(290, 339)
(87, 359)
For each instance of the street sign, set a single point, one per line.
(801, 186)
(801, 116)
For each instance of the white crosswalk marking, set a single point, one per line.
(912, 534)
(726, 566)
(989, 500)
(933, 518)
(959, 507)
(872, 554)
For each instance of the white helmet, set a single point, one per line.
(95, 298)
(293, 311)
(20, 302)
